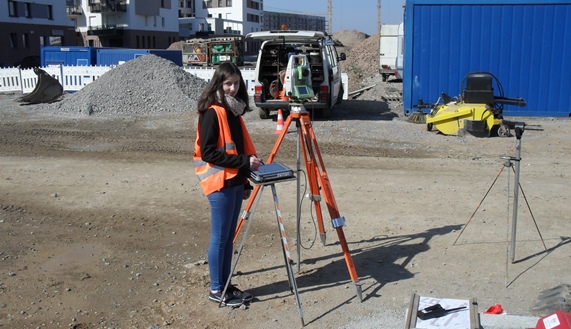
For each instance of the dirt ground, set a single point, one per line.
(104, 225)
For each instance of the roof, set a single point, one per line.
(289, 35)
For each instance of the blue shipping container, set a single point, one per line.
(116, 56)
(70, 56)
(526, 44)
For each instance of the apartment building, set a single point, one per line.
(237, 17)
(274, 20)
(143, 24)
(186, 8)
(26, 25)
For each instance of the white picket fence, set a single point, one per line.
(73, 78)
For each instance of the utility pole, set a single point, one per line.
(330, 17)
(379, 17)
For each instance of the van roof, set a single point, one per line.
(287, 35)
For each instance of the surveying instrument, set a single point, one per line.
(297, 87)
(514, 164)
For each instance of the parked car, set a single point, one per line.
(276, 48)
(29, 62)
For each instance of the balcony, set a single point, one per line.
(108, 6)
(74, 10)
(106, 30)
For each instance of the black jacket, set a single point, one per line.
(209, 134)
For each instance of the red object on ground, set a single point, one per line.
(556, 320)
(495, 309)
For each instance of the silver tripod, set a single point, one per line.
(514, 164)
(285, 247)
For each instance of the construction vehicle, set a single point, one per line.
(476, 111)
(47, 89)
(212, 51)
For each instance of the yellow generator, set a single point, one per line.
(476, 111)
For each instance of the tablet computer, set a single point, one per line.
(271, 172)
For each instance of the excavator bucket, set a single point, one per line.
(47, 90)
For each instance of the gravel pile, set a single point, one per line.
(362, 64)
(146, 85)
(152, 85)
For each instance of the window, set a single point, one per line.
(228, 3)
(12, 9)
(56, 41)
(50, 12)
(13, 40)
(25, 40)
(28, 10)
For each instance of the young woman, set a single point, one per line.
(223, 154)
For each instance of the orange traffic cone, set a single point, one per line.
(280, 126)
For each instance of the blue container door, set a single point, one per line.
(527, 46)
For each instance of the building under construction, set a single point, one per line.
(274, 21)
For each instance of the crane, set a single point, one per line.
(379, 17)
(330, 17)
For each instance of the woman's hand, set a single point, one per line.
(255, 162)
(247, 193)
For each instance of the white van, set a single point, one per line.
(272, 60)
(391, 44)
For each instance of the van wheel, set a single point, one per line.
(384, 77)
(263, 113)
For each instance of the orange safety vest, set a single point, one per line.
(210, 176)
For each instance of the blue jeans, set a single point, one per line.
(225, 208)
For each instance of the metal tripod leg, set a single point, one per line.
(249, 216)
(285, 247)
(318, 179)
(287, 257)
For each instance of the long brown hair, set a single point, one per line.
(215, 87)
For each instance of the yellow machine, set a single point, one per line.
(477, 111)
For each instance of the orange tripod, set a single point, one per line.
(318, 181)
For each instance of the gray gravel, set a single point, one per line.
(143, 86)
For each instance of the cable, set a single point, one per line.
(312, 217)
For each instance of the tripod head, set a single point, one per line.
(519, 129)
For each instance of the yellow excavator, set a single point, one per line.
(48, 89)
(476, 111)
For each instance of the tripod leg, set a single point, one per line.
(287, 256)
(312, 173)
(319, 178)
(256, 200)
(478, 207)
(246, 213)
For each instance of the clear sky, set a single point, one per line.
(360, 15)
